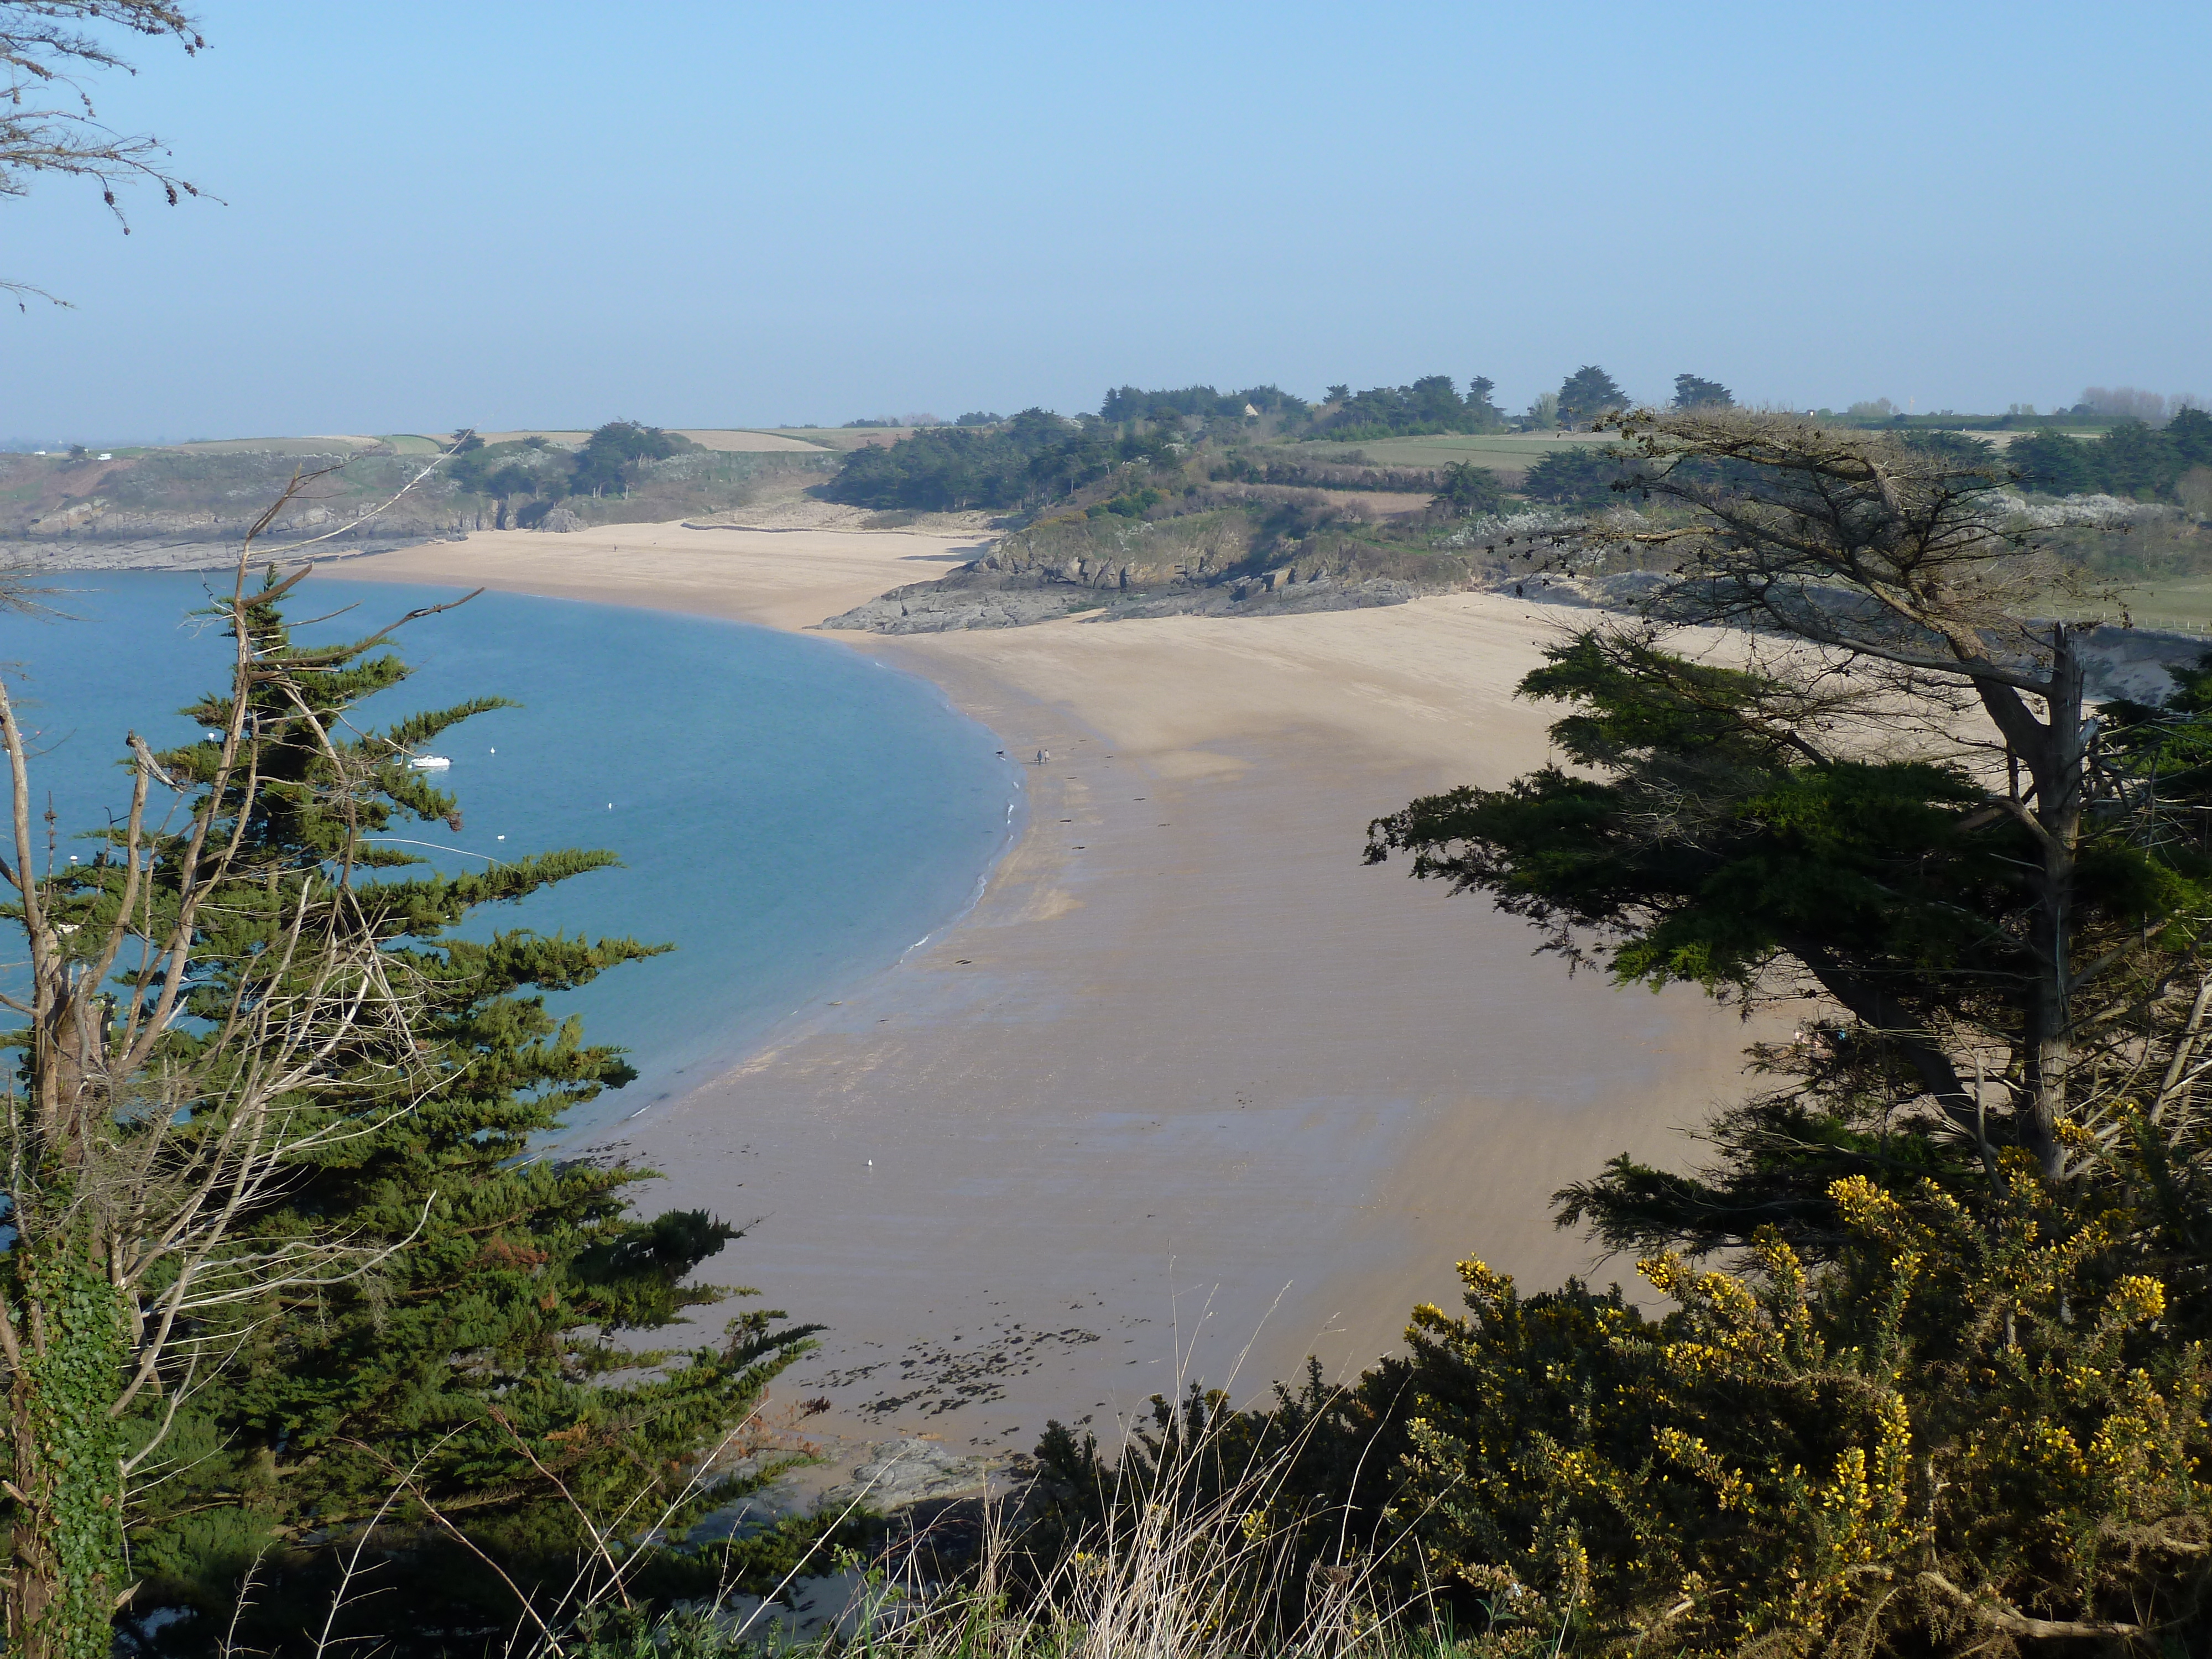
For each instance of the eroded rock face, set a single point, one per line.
(948, 606)
(559, 521)
(184, 551)
(1116, 555)
(1204, 564)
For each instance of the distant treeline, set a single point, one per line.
(1128, 403)
(607, 465)
(1432, 403)
(2134, 458)
(1035, 456)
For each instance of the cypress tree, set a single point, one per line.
(476, 1412)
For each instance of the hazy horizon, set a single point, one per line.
(510, 217)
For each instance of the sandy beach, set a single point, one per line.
(1188, 1080)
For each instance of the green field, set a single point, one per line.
(839, 437)
(2184, 602)
(1508, 451)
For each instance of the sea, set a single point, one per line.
(792, 817)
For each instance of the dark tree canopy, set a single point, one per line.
(2132, 459)
(486, 1357)
(1468, 490)
(1693, 392)
(1988, 913)
(1036, 456)
(1130, 402)
(1587, 394)
(1581, 477)
(611, 456)
(1431, 404)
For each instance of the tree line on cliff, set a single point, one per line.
(1037, 457)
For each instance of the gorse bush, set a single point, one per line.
(1972, 1427)
(1980, 1423)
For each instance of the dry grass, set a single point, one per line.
(1173, 1571)
(1196, 1547)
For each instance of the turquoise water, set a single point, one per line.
(791, 815)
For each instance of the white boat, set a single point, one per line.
(428, 763)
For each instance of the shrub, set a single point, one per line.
(1468, 490)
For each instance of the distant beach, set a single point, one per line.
(1188, 1078)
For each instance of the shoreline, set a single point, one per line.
(1185, 1082)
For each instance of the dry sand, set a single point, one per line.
(1188, 1066)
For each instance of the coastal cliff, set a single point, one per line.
(188, 507)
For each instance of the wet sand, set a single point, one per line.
(1189, 1079)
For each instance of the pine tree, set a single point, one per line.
(1990, 926)
(1587, 394)
(1695, 391)
(463, 1401)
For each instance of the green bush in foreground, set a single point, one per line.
(1978, 1427)
(450, 1420)
(1970, 1430)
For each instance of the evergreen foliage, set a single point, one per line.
(1128, 403)
(1970, 1429)
(611, 455)
(1431, 404)
(1587, 394)
(1581, 477)
(1952, 1397)
(1979, 1423)
(1468, 490)
(1892, 884)
(1035, 456)
(2132, 459)
(476, 1381)
(1693, 391)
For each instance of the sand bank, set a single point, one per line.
(1188, 1066)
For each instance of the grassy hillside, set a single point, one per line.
(209, 492)
(1502, 451)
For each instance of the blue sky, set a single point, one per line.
(709, 214)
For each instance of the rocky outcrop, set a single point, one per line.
(1108, 569)
(968, 597)
(188, 507)
(59, 555)
(1109, 554)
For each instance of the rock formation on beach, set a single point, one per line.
(1209, 564)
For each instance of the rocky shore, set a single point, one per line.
(1113, 569)
(54, 557)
